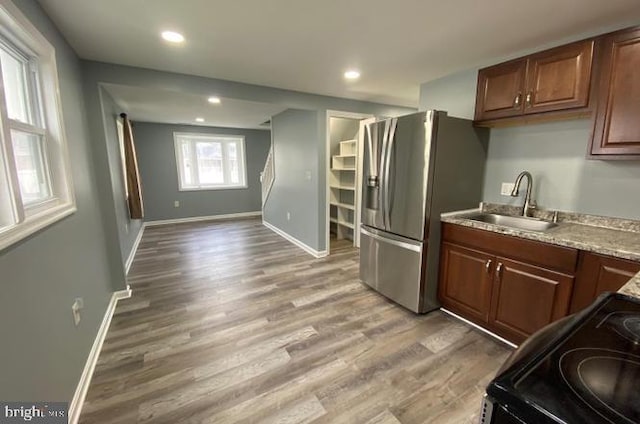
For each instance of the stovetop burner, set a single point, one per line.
(626, 324)
(632, 325)
(605, 380)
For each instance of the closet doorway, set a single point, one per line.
(345, 135)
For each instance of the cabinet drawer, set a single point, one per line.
(562, 259)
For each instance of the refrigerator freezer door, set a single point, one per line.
(392, 266)
(408, 175)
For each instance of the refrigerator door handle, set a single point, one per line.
(373, 160)
(387, 171)
(392, 241)
(383, 179)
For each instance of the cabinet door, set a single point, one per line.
(526, 298)
(500, 91)
(598, 274)
(617, 127)
(465, 281)
(559, 79)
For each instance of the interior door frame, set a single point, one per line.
(349, 115)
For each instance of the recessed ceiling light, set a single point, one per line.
(213, 99)
(352, 74)
(172, 36)
(199, 119)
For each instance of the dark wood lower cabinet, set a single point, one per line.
(526, 298)
(511, 296)
(598, 274)
(514, 287)
(466, 281)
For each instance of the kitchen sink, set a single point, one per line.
(521, 223)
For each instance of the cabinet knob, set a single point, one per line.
(529, 98)
(517, 100)
(488, 265)
(499, 268)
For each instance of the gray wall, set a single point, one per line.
(42, 352)
(555, 153)
(157, 162)
(295, 148)
(455, 93)
(342, 129)
(105, 171)
(128, 229)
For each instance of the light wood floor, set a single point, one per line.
(230, 323)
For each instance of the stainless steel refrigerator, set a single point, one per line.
(415, 167)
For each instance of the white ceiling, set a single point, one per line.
(173, 107)
(307, 45)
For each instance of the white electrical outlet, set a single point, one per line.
(288, 216)
(506, 189)
(176, 204)
(78, 304)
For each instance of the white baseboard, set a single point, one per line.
(203, 218)
(301, 245)
(134, 249)
(75, 406)
(476, 326)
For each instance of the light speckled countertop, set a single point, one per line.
(616, 238)
(632, 288)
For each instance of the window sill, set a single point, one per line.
(14, 233)
(242, 187)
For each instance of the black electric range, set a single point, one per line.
(583, 369)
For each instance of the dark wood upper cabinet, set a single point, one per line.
(551, 83)
(598, 274)
(559, 79)
(617, 124)
(500, 90)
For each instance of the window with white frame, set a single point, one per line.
(210, 161)
(35, 182)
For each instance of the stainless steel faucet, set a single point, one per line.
(529, 203)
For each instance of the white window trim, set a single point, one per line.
(242, 186)
(15, 27)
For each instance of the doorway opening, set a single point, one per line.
(345, 135)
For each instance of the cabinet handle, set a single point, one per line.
(517, 100)
(529, 98)
(488, 265)
(499, 268)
